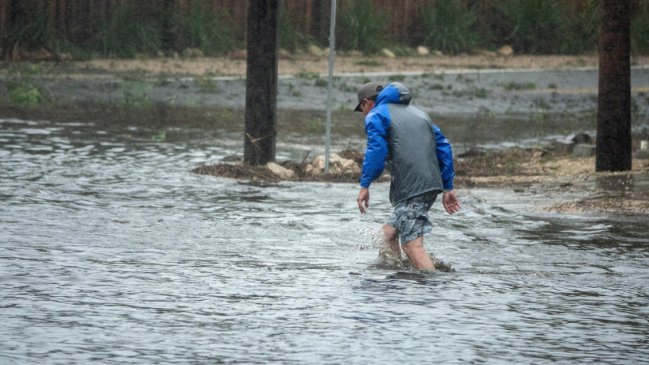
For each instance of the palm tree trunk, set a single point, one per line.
(614, 95)
(261, 82)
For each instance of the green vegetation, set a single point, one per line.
(126, 35)
(437, 87)
(448, 26)
(207, 85)
(320, 83)
(159, 136)
(126, 30)
(371, 63)
(146, 28)
(162, 79)
(582, 29)
(509, 86)
(640, 28)
(532, 26)
(308, 75)
(204, 30)
(33, 33)
(135, 93)
(26, 95)
(362, 26)
(21, 88)
(289, 37)
(397, 78)
(481, 93)
(315, 124)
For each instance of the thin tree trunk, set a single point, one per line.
(13, 17)
(167, 37)
(4, 12)
(308, 20)
(614, 95)
(261, 82)
(62, 17)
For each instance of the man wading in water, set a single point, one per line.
(403, 139)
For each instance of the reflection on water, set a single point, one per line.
(110, 251)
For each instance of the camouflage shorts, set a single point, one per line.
(410, 217)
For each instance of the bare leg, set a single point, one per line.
(392, 240)
(417, 254)
(389, 250)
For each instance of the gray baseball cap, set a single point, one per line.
(367, 91)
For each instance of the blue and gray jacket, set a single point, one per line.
(404, 140)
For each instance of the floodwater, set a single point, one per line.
(112, 252)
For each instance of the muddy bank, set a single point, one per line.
(515, 168)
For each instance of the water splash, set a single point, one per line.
(389, 259)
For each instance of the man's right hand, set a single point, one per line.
(363, 200)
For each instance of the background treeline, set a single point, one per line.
(130, 28)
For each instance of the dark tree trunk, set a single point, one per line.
(167, 22)
(614, 95)
(5, 21)
(261, 82)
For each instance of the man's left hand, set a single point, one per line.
(450, 201)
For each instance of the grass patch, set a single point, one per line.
(308, 75)
(437, 87)
(162, 79)
(135, 94)
(21, 87)
(134, 76)
(320, 83)
(397, 78)
(481, 93)
(513, 85)
(207, 85)
(369, 62)
(26, 95)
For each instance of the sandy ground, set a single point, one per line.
(344, 64)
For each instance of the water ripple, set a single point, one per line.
(111, 252)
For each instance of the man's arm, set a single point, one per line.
(376, 151)
(445, 158)
(375, 155)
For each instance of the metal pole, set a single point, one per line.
(332, 51)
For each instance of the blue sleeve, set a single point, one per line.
(445, 158)
(377, 149)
